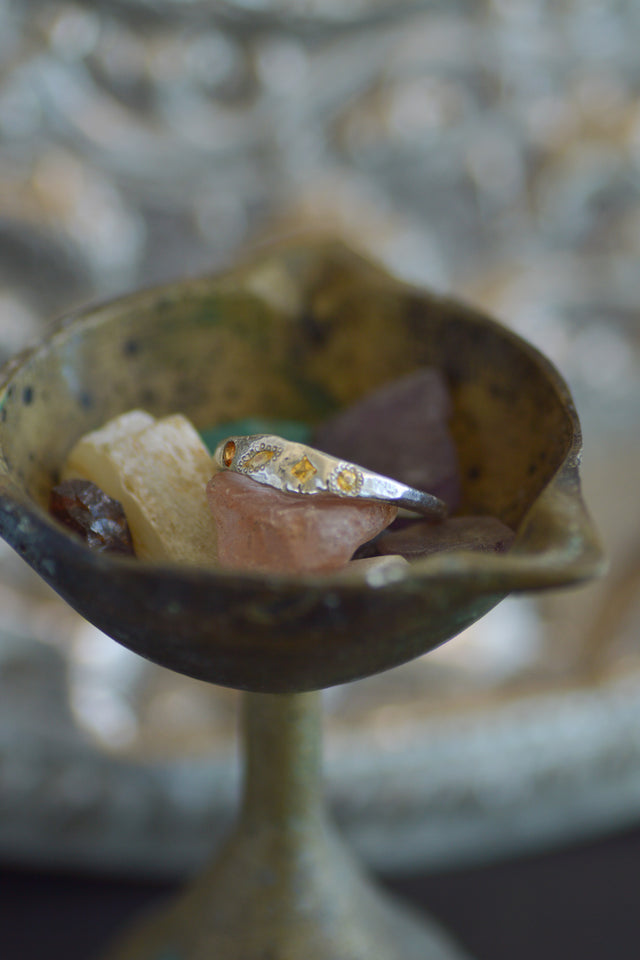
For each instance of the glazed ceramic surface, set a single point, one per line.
(297, 333)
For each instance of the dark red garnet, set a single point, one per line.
(87, 510)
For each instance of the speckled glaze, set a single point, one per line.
(296, 333)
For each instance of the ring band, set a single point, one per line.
(297, 468)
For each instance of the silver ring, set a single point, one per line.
(297, 468)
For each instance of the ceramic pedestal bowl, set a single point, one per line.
(297, 333)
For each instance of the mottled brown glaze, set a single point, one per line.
(298, 333)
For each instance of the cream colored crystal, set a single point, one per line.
(158, 470)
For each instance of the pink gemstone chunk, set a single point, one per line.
(260, 528)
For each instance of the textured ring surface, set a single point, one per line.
(298, 468)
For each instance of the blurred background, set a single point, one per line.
(488, 149)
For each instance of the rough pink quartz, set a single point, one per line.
(260, 528)
(401, 431)
(422, 538)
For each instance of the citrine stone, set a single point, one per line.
(303, 470)
(347, 480)
(228, 453)
(256, 460)
(98, 519)
(261, 528)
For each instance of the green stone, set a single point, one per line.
(293, 430)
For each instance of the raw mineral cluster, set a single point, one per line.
(150, 487)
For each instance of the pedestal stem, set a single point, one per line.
(283, 759)
(283, 887)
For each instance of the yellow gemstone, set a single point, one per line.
(258, 460)
(303, 470)
(347, 480)
(228, 453)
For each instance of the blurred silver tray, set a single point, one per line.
(490, 150)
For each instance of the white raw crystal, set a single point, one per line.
(158, 470)
(377, 571)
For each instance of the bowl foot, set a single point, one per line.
(262, 902)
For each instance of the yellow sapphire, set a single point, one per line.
(303, 470)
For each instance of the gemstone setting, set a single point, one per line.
(303, 470)
(228, 453)
(345, 480)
